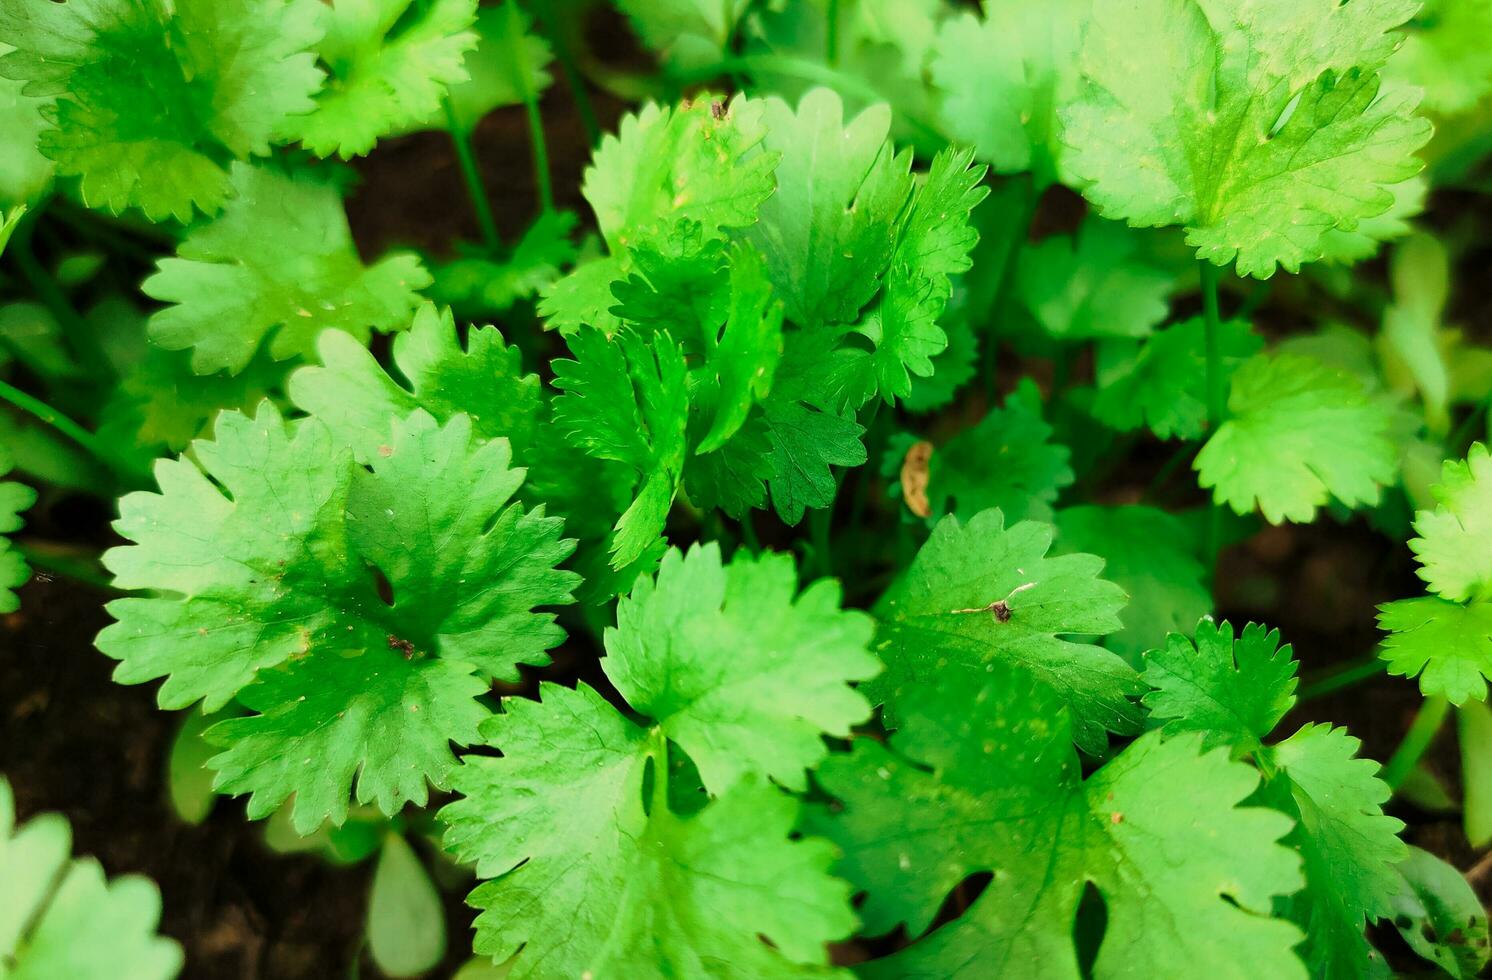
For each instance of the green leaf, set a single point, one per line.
(1003, 78)
(1452, 545)
(982, 777)
(188, 778)
(476, 286)
(390, 63)
(25, 172)
(1441, 917)
(1092, 284)
(508, 63)
(559, 823)
(743, 362)
(279, 263)
(1164, 386)
(267, 555)
(1446, 645)
(1262, 127)
(806, 442)
(626, 401)
(828, 232)
(1007, 461)
(1300, 433)
(14, 498)
(406, 920)
(1474, 737)
(59, 916)
(1443, 54)
(685, 32)
(1151, 555)
(737, 668)
(979, 595)
(151, 96)
(1232, 693)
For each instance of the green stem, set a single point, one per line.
(1465, 433)
(748, 533)
(1168, 469)
(63, 424)
(659, 752)
(80, 335)
(1216, 395)
(573, 79)
(467, 158)
(1344, 677)
(831, 35)
(1422, 732)
(535, 122)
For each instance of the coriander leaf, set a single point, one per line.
(278, 263)
(583, 298)
(60, 917)
(745, 354)
(1092, 284)
(736, 667)
(978, 595)
(627, 401)
(390, 63)
(1349, 846)
(14, 498)
(152, 95)
(1151, 555)
(1262, 125)
(1232, 693)
(1447, 645)
(1007, 461)
(508, 63)
(953, 368)
(1003, 78)
(1346, 247)
(25, 172)
(1300, 433)
(1444, 55)
(1440, 916)
(806, 442)
(585, 879)
(1452, 544)
(685, 32)
(734, 476)
(477, 286)
(827, 233)
(1164, 386)
(266, 556)
(982, 777)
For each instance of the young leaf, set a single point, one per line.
(1446, 645)
(1300, 433)
(273, 597)
(1150, 554)
(806, 442)
(737, 669)
(685, 894)
(278, 263)
(1452, 544)
(980, 594)
(406, 921)
(390, 63)
(151, 96)
(1164, 386)
(1443, 54)
(1262, 125)
(1441, 917)
(982, 777)
(59, 917)
(14, 498)
(1092, 284)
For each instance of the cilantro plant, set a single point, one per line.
(833, 502)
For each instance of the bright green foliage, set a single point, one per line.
(1452, 544)
(25, 172)
(14, 498)
(1150, 554)
(389, 64)
(1004, 76)
(1092, 284)
(1232, 693)
(477, 286)
(982, 777)
(273, 597)
(626, 402)
(744, 677)
(279, 263)
(1235, 693)
(508, 62)
(685, 32)
(60, 917)
(1441, 917)
(1164, 385)
(1007, 461)
(740, 672)
(1413, 346)
(1260, 126)
(1300, 433)
(806, 442)
(980, 594)
(1448, 646)
(1446, 54)
(151, 95)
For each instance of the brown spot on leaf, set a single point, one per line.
(914, 476)
(402, 645)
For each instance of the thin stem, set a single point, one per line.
(659, 752)
(748, 533)
(535, 122)
(1422, 732)
(576, 83)
(60, 422)
(1465, 433)
(831, 35)
(467, 158)
(1168, 469)
(1216, 396)
(1344, 677)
